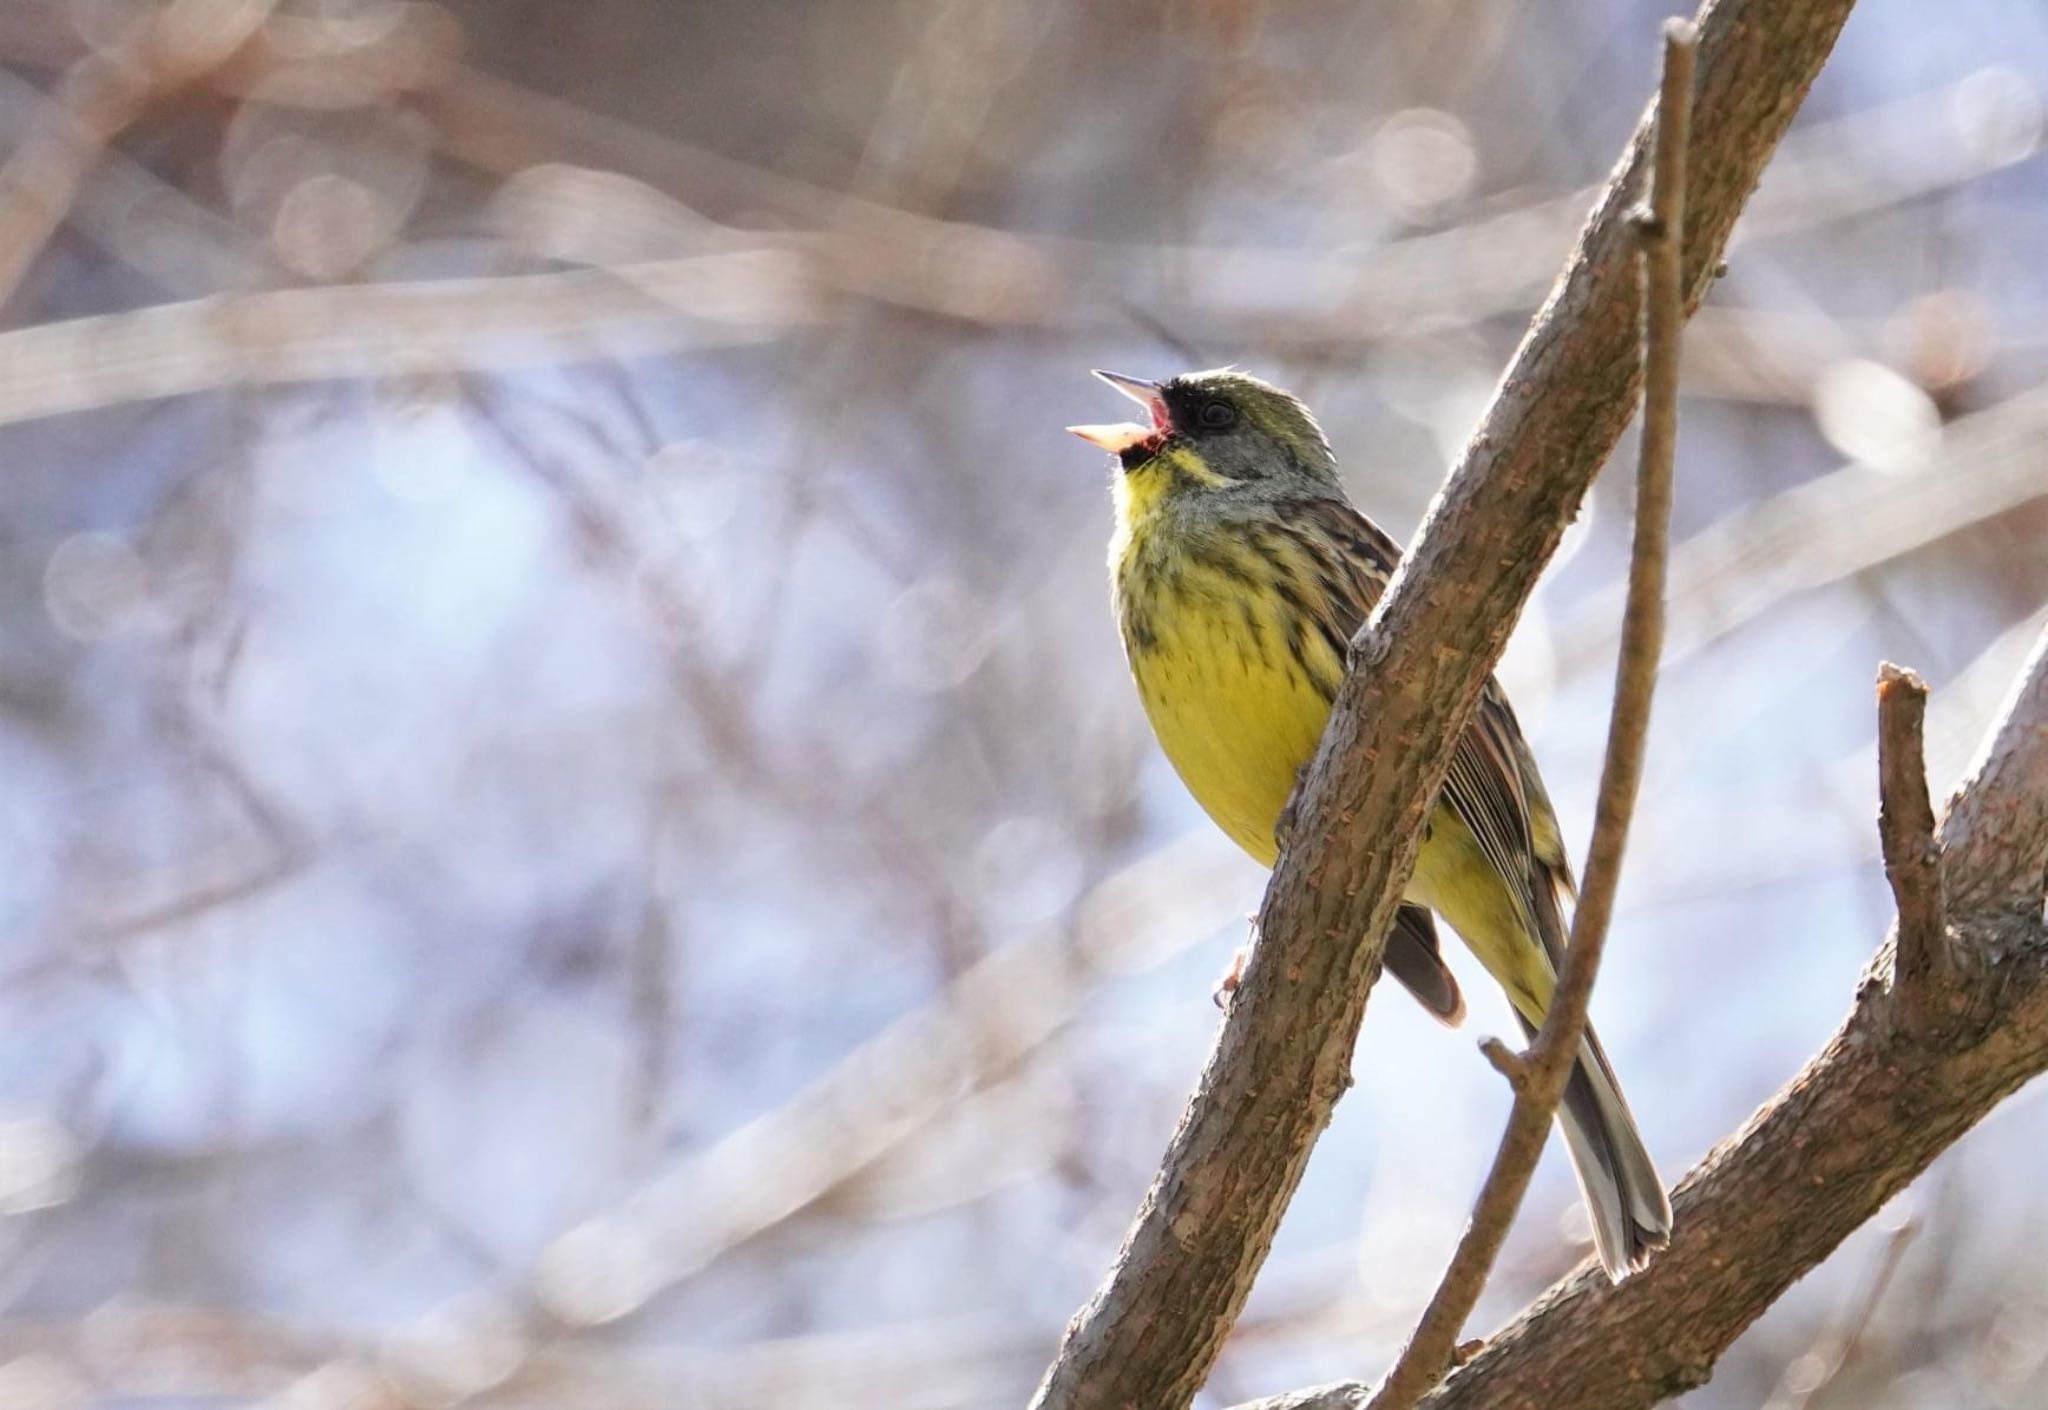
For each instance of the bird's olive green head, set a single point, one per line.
(1215, 431)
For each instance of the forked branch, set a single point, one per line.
(1844, 1136)
(1539, 1081)
(1152, 1331)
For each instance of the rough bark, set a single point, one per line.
(1152, 1331)
(1880, 1101)
(1539, 1076)
(1912, 854)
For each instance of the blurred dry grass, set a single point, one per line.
(577, 834)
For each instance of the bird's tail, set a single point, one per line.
(1624, 1194)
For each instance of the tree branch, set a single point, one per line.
(1848, 521)
(1994, 837)
(1466, 274)
(1905, 829)
(1539, 1082)
(420, 326)
(1151, 1333)
(101, 95)
(1849, 1132)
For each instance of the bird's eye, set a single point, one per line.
(1217, 416)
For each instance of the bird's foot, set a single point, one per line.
(1290, 811)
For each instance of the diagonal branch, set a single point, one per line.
(1994, 836)
(1151, 1333)
(1539, 1080)
(1851, 1130)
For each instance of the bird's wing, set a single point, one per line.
(1495, 788)
(1492, 784)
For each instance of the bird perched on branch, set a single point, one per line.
(1239, 573)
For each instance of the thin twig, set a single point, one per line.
(1912, 861)
(1548, 1063)
(1856, 1125)
(1153, 1329)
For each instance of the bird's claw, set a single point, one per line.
(1290, 811)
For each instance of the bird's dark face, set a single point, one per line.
(1213, 429)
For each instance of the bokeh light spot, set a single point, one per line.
(1422, 158)
(93, 586)
(1875, 416)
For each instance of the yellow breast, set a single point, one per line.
(1236, 692)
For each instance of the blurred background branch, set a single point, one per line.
(552, 640)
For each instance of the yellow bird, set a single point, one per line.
(1239, 571)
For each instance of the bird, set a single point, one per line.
(1239, 571)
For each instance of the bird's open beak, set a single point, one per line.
(1116, 437)
(1145, 394)
(1121, 436)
